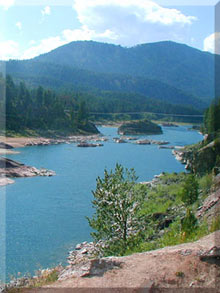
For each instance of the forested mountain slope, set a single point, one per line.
(178, 65)
(62, 77)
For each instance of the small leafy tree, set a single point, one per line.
(190, 190)
(117, 203)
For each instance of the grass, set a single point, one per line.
(164, 201)
(46, 278)
(215, 225)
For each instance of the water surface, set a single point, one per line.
(45, 216)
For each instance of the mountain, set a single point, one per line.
(178, 65)
(166, 71)
(64, 77)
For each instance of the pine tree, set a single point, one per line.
(190, 190)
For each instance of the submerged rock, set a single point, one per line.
(151, 141)
(86, 144)
(119, 140)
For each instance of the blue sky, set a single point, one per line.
(30, 28)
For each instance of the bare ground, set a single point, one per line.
(171, 269)
(18, 142)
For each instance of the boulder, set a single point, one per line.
(13, 169)
(4, 145)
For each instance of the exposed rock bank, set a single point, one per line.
(200, 158)
(13, 169)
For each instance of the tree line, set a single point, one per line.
(212, 119)
(43, 109)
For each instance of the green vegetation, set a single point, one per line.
(139, 127)
(117, 203)
(204, 157)
(45, 278)
(41, 110)
(152, 69)
(167, 210)
(189, 192)
(215, 223)
(212, 119)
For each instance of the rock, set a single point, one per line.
(90, 267)
(209, 205)
(166, 147)
(7, 163)
(143, 142)
(78, 247)
(4, 145)
(85, 144)
(212, 255)
(129, 137)
(186, 252)
(150, 141)
(119, 140)
(5, 181)
(159, 142)
(13, 169)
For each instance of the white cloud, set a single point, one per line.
(19, 25)
(67, 36)
(32, 42)
(121, 22)
(46, 11)
(89, 11)
(83, 34)
(45, 45)
(6, 3)
(131, 21)
(212, 43)
(9, 50)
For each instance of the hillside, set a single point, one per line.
(166, 71)
(63, 77)
(176, 64)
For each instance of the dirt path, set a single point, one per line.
(172, 267)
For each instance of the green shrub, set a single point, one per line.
(189, 223)
(190, 190)
(215, 224)
(205, 184)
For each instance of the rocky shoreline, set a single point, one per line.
(13, 169)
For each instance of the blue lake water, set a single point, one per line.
(45, 216)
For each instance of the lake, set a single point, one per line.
(45, 216)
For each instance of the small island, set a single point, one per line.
(139, 127)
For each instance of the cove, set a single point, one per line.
(45, 216)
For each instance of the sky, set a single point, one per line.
(33, 27)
